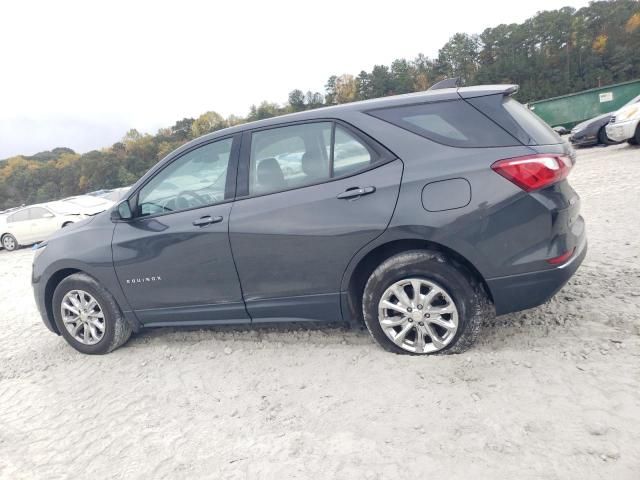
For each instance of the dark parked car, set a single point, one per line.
(421, 214)
(593, 131)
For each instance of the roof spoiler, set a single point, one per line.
(446, 83)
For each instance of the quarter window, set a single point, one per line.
(196, 179)
(454, 123)
(294, 156)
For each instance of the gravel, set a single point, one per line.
(552, 392)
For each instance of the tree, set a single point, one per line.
(206, 123)
(264, 110)
(296, 101)
(346, 89)
(459, 57)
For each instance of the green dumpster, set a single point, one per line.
(569, 110)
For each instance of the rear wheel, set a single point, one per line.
(9, 242)
(420, 302)
(88, 316)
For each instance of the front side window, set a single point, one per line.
(194, 180)
(294, 156)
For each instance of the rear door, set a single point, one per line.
(173, 258)
(310, 196)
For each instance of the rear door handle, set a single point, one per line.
(206, 220)
(354, 192)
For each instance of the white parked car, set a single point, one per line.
(624, 124)
(32, 224)
(35, 223)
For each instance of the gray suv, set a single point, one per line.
(421, 215)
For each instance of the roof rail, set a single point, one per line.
(446, 83)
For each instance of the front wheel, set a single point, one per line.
(88, 316)
(602, 137)
(9, 242)
(635, 140)
(421, 302)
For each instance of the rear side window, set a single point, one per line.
(349, 154)
(20, 216)
(37, 213)
(294, 156)
(454, 123)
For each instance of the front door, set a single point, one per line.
(43, 223)
(173, 258)
(314, 194)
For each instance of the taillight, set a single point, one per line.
(561, 258)
(534, 171)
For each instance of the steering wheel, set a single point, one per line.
(190, 193)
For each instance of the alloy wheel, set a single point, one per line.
(83, 317)
(418, 315)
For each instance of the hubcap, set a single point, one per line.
(83, 317)
(418, 315)
(9, 243)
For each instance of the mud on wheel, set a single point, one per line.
(421, 302)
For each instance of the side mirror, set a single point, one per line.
(122, 211)
(48, 215)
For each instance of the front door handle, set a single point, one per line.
(354, 192)
(206, 220)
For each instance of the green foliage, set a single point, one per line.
(552, 53)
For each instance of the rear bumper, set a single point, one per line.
(583, 141)
(527, 290)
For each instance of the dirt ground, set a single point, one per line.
(550, 393)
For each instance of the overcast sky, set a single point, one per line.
(79, 74)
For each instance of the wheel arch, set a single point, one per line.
(352, 301)
(51, 286)
(2, 235)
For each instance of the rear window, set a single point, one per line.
(454, 123)
(538, 130)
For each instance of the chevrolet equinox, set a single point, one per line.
(421, 215)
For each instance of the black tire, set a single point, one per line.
(602, 137)
(117, 329)
(470, 299)
(635, 140)
(11, 242)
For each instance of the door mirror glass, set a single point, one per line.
(122, 211)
